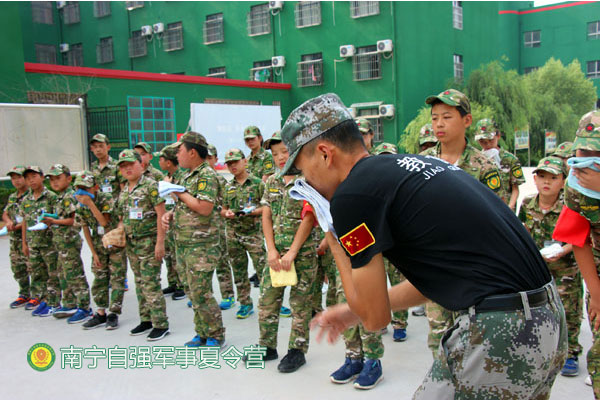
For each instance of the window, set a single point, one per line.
(363, 8)
(366, 63)
(101, 9)
(42, 12)
(372, 114)
(104, 51)
(459, 70)
(259, 20)
(532, 39)
(310, 70)
(457, 15)
(71, 13)
(137, 45)
(594, 30)
(132, 5)
(593, 69)
(151, 120)
(217, 72)
(173, 39)
(213, 29)
(74, 57)
(308, 13)
(528, 70)
(262, 71)
(45, 53)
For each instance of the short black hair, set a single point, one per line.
(461, 111)
(344, 135)
(201, 150)
(175, 161)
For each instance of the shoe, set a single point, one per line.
(95, 322)
(126, 285)
(31, 304)
(571, 367)
(227, 303)
(285, 312)
(196, 341)
(384, 330)
(212, 342)
(588, 380)
(41, 307)
(20, 302)
(112, 322)
(80, 316)
(142, 328)
(399, 335)
(271, 354)
(178, 294)
(157, 334)
(348, 371)
(370, 375)
(254, 280)
(293, 360)
(48, 311)
(64, 312)
(169, 290)
(244, 312)
(189, 304)
(418, 311)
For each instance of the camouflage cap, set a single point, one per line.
(234, 155)
(58, 169)
(170, 152)
(251, 132)
(33, 168)
(364, 126)
(276, 138)
(485, 129)
(17, 170)
(129, 155)
(426, 135)
(453, 98)
(564, 150)
(143, 145)
(99, 137)
(85, 179)
(194, 138)
(588, 132)
(551, 164)
(385, 148)
(212, 150)
(310, 120)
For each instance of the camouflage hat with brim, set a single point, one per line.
(364, 126)
(85, 179)
(588, 132)
(169, 152)
(564, 150)
(276, 138)
(145, 146)
(385, 148)
(234, 155)
(551, 164)
(212, 150)
(129, 155)
(58, 169)
(194, 138)
(33, 168)
(453, 98)
(485, 129)
(426, 135)
(99, 137)
(309, 121)
(17, 170)
(251, 132)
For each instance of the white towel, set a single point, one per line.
(551, 251)
(40, 226)
(4, 231)
(303, 191)
(166, 188)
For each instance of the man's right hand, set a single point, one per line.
(273, 260)
(166, 220)
(333, 321)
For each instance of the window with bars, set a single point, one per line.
(262, 71)
(259, 20)
(372, 114)
(308, 13)
(457, 15)
(310, 70)
(45, 53)
(132, 5)
(173, 39)
(528, 70)
(593, 69)
(459, 69)
(366, 64)
(101, 9)
(71, 13)
(533, 39)
(42, 12)
(360, 9)
(213, 29)
(74, 57)
(593, 30)
(217, 72)
(151, 120)
(137, 45)
(104, 51)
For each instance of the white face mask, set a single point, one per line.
(494, 155)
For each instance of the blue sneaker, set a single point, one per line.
(285, 312)
(571, 367)
(196, 341)
(48, 311)
(370, 375)
(212, 342)
(64, 312)
(244, 312)
(126, 285)
(80, 316)
(41, 307)
(189, 304)
(227, 303)
(399, 335)
(348, 371)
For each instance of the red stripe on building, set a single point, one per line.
(577, 3)
(148, 76)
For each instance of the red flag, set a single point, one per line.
(307, 208)
(572, 228)
(357, 239)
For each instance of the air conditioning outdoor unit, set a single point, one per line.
(278, 61)
(61, 4)
(347, 50)
(159, 27)
(64, 47)
(385, 46)
(275, 5)
(387, 110)
(146, 30)
(352, 111)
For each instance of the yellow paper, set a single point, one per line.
(284, 278)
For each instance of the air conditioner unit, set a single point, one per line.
(61, 4)
(64, 47)
(275, 5)
(387, 110)
(159, 27)
(385, 46)
(347, 50)
(146, 30)
(352, 112)
(278, 61)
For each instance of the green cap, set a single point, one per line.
(564, 150)
(212, 150)
(129, 155)
(18, 170)
(58, 169)
(170, 152)
(485, 129)
(453, 98)
(33, 168)
(85, 179)
(551, 164)
(143, 145)
(194, 138)
(310, 120)
(251, 132)
(588, 133)
(99, 137)
(276, 138)
(234, 155)
(426, 135)
(364, 126)
(385, 148)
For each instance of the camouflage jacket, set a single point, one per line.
(136, 208)
(261, 163)
(474, 163)
(109, 176)
(176, 177)
(510, 174)
(589, 208)
(191, 227)
(66, 205)
(237, 196)
(13, 209)
(32, 210)
(84, 216)
(154, 173)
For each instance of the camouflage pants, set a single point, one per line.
(74, 285)
(360, 343)
(42, 261)
(325, 268)
(224, 275)
(570, 288)
(199, 261)
(112, 272)
(18, 264)
(270, 299)
(237, 246)
(440, 320)
(399, 318)
(499, 355)
(593, 357)
(146, 269)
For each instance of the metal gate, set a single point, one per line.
(111, 121)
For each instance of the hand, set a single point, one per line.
(159, 251)
(333, 321)
(273, 260)
(96, 261)
(287, 260)
(168, 179)
(594, 313)
(49, 221)
(25, 250)
(85, 200)
(588, 178)
(166, 220)
(10, 226)
(322, 248)
(229, 214)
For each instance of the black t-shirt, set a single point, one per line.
(452, 237)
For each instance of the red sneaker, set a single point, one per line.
(19, 302)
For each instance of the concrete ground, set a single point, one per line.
(404, 364)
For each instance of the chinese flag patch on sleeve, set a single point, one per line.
(357, 239)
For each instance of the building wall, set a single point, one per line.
(11, 67)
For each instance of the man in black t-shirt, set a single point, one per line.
(453, 239)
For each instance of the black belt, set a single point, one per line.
(513, 301)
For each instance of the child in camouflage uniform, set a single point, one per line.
(145, 152)
(260, 162)
(105, 169)
(427, 138)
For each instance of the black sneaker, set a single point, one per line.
(254, 280)
(142, 328)
(112, 322)
(293, 360)
(157, 334)
(178, 294)
(96, 322)
(270, 355)
(169, 290)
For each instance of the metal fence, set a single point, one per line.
(111, 121)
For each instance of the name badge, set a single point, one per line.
(136, 213)
(100, 230)
(19, 219)
(106, 189)
(170, 201)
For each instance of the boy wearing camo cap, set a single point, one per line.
(564, 151)
(145, 151)
(427, 138)
(105, 168)
(364, 126)
(260, 162)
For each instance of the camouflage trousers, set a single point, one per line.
(570, 288)
(111, 273)
(593, 356)
(74, 285)
(224, 275)
(499, 355)
(43, 274)
(175, 276)
(440, 320)
(360, 343)
(270, 299)
(18, 265)
(146, 269)
(325, 268)
(237, 246)
(199, 261)
(399, 318)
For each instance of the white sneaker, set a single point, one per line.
(588, 380)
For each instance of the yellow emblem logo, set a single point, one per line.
(202, 184)
(41, 357)
(268, 165)
(105, 208)
(154, 193)
(492, 180)
(517, 172)
(67, 203)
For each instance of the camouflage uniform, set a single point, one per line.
(261, 163)
(18, 262)
(175, 277)
(224, 274)
(325, 268)
(399, 318)
(108, 177)
(154, 173)
(286, 215)
(426, 136)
